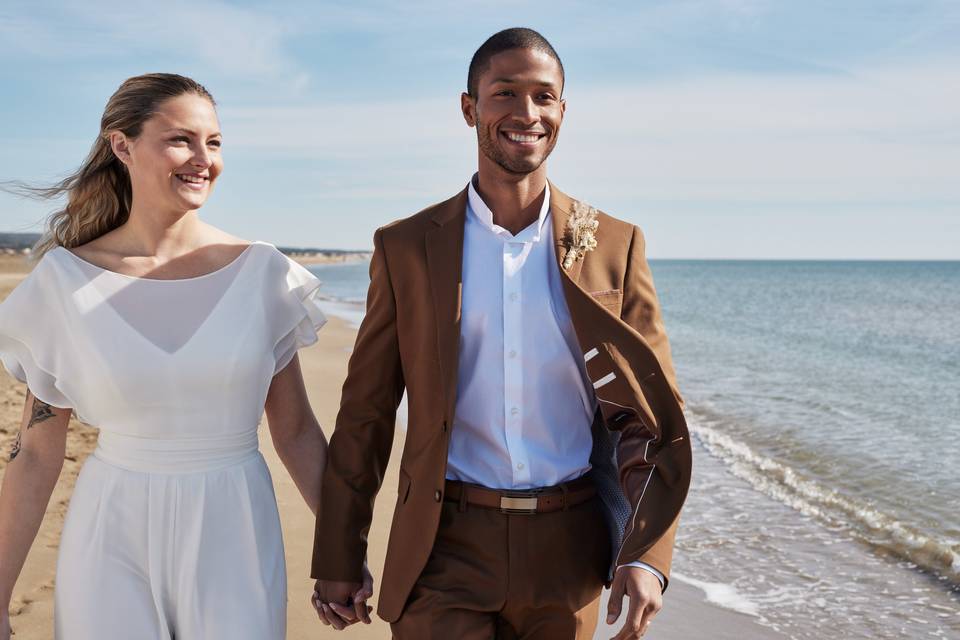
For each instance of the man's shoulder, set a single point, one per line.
(608, 222)
(616, 225)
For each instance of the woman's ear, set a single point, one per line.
(120, 145)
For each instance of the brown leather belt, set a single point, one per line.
(527, 501)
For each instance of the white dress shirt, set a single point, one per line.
(524, 405)
(523, 410)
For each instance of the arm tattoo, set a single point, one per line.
(41, 411)
(16, 447)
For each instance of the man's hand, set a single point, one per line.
(643, 589)
(341, 604)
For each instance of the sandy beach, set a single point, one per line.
(686, 615)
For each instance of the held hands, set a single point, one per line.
(646, 600)
(340, 604)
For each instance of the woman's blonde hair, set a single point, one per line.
(99, 192)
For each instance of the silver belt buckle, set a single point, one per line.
(525, 504)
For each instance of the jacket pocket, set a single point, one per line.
(403, 490)
(611, 300)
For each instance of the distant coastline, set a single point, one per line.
(325, 256)
(22, 244)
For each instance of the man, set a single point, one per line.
(546, 450)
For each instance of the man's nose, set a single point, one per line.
(526, 111)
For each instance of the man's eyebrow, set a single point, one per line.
(542, 83)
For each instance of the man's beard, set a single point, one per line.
(494, 153)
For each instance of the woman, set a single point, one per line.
(173, 337)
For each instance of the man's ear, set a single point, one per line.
(120, 145)
(468, 105)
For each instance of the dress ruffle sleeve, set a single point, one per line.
(301, 317)
(31, 342)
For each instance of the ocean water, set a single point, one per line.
(824, 403)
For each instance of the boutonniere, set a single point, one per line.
(580, 234)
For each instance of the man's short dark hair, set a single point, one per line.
(506, 40)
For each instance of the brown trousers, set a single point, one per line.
(510, 576)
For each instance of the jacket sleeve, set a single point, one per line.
(641, 310)
(362, 439)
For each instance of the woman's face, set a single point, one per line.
(175, 160)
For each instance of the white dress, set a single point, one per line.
(172, 531)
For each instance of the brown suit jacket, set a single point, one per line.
(409, 340)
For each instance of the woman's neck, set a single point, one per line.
(162, 236)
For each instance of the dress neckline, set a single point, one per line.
(202, 276)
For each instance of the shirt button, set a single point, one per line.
(513, 354)
(514, 411)
(513, 297)
(520, 466)
(437, 495)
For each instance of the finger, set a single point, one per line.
(363, 612)
(649, 612)
(346, 612)
(315, 601)
(321, 615)
(360, 599)
(334, 619)
(615, 604)
(633, 624)
(367, 589)
(360, 608)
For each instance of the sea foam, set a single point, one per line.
(881, 531)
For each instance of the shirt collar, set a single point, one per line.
(482, 214)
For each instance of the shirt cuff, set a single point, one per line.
(645, 566)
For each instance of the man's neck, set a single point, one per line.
(515, 201)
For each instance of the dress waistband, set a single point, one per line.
(176, 455)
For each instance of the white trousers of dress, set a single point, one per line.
(162, 545)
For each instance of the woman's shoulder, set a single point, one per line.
(39, 290)
(104, 251)
(45, 268)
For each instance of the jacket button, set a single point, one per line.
(437, 495)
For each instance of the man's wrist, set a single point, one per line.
(646, 567)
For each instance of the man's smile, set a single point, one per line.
(527, 138)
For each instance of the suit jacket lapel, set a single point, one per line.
(444, 247)
(560, 206)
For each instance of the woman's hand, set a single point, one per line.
(341, 604)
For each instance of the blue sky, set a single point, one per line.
(725, 128)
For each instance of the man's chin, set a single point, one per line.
(520, 167)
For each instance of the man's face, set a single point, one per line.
(517, 110)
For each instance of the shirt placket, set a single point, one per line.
(513, 259)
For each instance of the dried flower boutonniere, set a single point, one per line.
(579, 236)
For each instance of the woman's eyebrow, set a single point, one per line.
(190, 131)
